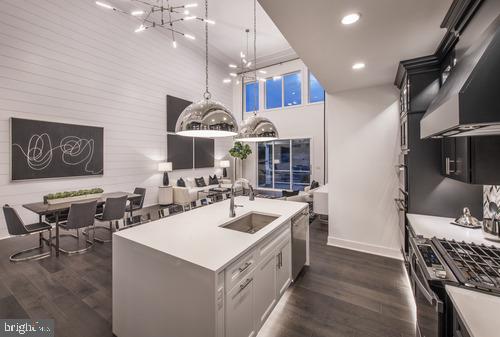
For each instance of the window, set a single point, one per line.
(284, 164)
(274, 93)
(292, 89)
(316, 91)
(251, 96)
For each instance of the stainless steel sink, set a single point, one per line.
(250, 223)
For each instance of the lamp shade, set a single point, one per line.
(224, 163)
(257, 129)
(206, 119)
(165, 166)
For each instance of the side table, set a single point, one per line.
(165, 195)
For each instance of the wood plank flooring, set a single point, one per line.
(342, 293)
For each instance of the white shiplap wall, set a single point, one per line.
(70, 61)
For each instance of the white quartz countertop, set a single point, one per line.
(478, 311)
(429, 226)
(196, 236)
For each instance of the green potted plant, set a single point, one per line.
(240, 151)
(70, 196)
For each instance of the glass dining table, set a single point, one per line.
(42, 209)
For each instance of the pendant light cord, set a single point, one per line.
(255, 53)
(207, 94)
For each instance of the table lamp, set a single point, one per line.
(165, 167)
(224, 164)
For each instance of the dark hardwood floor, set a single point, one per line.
(343, 293)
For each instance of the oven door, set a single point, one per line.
(430, 309)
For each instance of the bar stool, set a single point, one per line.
(81, 215)
(114, 210)
(136, 203)
(16, 227)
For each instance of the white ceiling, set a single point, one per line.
(227, 37)
(389, 31)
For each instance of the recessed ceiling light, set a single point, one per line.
(234, 66)
(233, 74)
(262, 71)
(137, 12)
(357, 66)
(349, 19)
(226, 80)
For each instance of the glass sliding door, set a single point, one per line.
(301, 164)
(265, 165)
(284, 164)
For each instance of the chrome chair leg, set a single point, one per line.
(14, 257)
(95, 228)
(88, 243)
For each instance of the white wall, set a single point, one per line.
(71, 61)
(301, 121)
(363, 147)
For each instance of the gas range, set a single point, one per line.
(435, 263)
(475, 266)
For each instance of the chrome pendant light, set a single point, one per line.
(206, 118)
(256, 128)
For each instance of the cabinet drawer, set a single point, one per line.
(240, 268)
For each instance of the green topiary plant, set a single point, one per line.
(240, 151)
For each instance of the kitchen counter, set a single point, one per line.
(429, 226)
(187, 268)
(478, 311)
(196, 236)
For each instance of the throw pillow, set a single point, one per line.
(314, 184)
(213, 180)
(287, 194)
(181, 182)
(200, 182)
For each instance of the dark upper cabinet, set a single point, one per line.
(418, 81)
(472, 160)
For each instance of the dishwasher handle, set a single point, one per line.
(298, 217)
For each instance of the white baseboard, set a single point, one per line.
(365, 248)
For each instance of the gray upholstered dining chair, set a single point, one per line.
(81, 215)
(136, 204)
(114, 211)
(16, 227)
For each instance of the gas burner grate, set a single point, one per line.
(474, 265)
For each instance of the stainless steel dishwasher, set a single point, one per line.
(300, 224)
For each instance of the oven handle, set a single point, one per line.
(431, 298)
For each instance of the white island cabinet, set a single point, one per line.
(186, 276)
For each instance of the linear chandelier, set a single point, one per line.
(241, 71)
(256, 128)
(160, 14)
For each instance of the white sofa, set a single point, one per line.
(304, 196)
(189, 194)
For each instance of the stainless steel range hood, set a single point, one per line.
(468, 104)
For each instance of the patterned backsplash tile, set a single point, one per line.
(490, 193)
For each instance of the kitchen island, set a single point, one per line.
(188, 276)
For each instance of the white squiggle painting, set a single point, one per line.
(74, 151)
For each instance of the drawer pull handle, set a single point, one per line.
(245, 267)
(244, 285)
